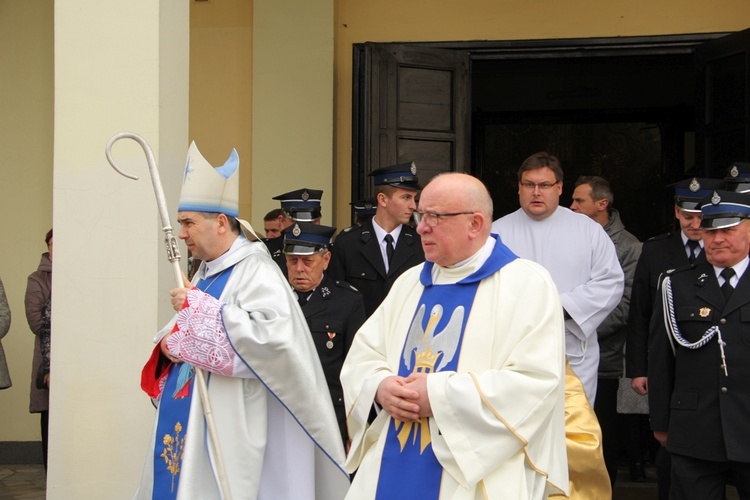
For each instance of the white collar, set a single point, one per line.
(739, 269)
(211, 268)
(457, 272)
(685, 239)
(380, 232)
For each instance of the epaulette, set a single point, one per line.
(659, 237)
(348, 232)
(672, 272)
(344, 284)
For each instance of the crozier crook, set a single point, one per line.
(173, 254)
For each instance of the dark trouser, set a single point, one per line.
(693, 478)
(605, 407)
(44, 429)
(663, 472)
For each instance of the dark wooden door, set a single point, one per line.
(411, 104)
(723, 103)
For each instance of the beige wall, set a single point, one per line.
(26, 87)
(221, 64)
(261, 80)
(359, 21)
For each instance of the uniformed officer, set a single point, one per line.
(333, 309)
(659, 254)
(699, 358)
(301, 205)
(372, 256)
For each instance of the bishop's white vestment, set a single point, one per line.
(497, 429)
(583, 263)
(275, 420)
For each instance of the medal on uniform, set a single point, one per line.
(704, 312)
(329, 344)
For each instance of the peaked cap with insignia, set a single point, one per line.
(724, 209)
(304, 238)
(738, 178)
(689, 192)
(403, 175)
(301, 205)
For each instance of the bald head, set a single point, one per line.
(457, 220)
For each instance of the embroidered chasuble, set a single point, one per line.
(176, 399)
(409, 467)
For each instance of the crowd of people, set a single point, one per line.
(431, 352)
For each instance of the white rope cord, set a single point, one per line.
(674, 332)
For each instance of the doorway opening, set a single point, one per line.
(642, 112)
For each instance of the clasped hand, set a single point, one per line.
(405, 399)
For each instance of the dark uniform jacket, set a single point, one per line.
(705, 412)
(334, 313)
(356, 258)
(276, 249)
(658, 255)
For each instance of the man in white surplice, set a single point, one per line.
(465, 358)
(577, 253)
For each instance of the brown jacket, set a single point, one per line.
(4, 327)
(38, 292)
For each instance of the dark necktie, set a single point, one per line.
(389, 248)
(695, 250)
(727, 288)
(302, 297)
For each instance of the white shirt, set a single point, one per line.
(380, 235)
(739, 270)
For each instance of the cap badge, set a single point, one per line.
(413, 169)
(734, 172)
(305, 196)
(716, 199)
(704, 312)
(296, 231)
(695, 185)
(368, 205)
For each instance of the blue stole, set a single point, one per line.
(409, 468)
(174, 412)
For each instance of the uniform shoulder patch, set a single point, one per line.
(344, 284)
(677, 270)
(659, 237)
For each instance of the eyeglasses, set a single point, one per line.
(544, 186)
(432, 219)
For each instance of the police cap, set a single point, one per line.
(724, 209)
(304, 238)
(302, 204)
(403, 175)
(738, 178)
(689, 193)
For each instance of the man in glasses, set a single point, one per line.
(575, 250)
(470, 389)
(372, 256)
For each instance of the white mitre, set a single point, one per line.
(209, 189)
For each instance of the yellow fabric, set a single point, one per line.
(583, 436)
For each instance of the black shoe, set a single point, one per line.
(637, 473)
